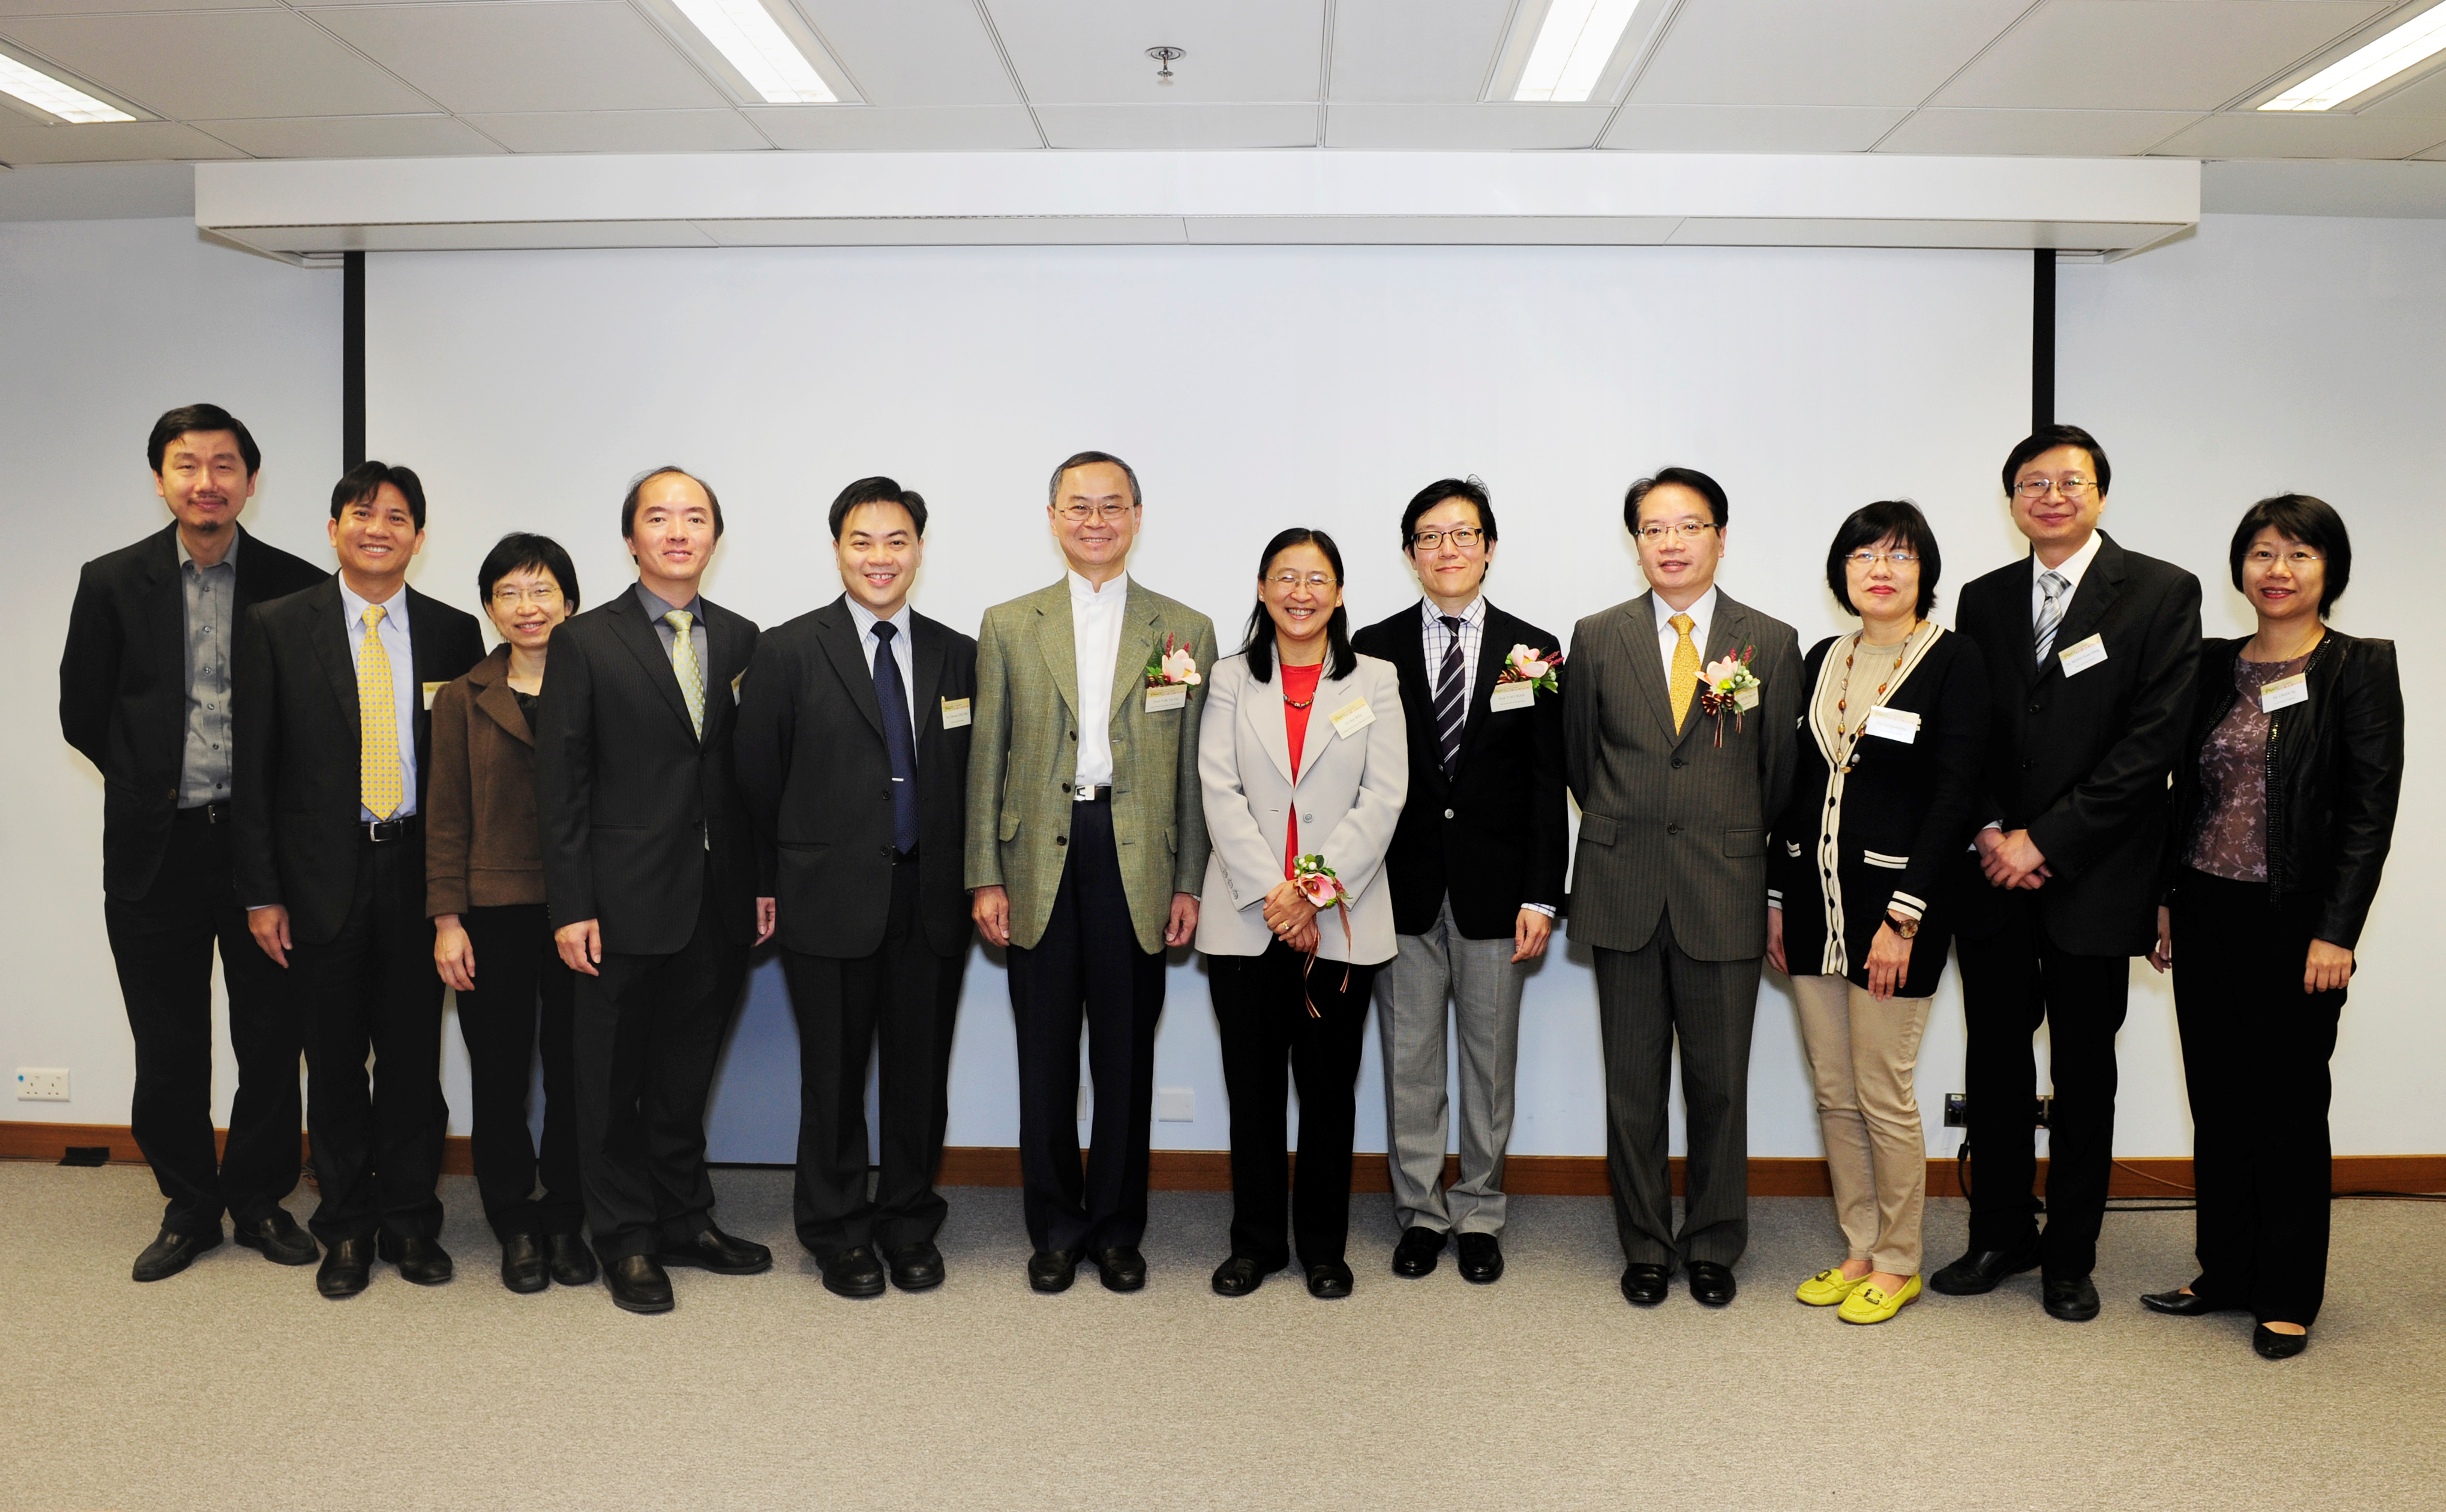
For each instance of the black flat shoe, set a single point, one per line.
(1481, 1259)
(1416, 1254)
(917, 1267)
(278, 1239)
(2271, 1345)
(2070, 1298)
(1712, 1284)
(1052, 1270)
(852, 1272)
(522, 1265)
(571, 1262)
(1329, 1280)
(1978, 1272)
(347, 1268)
(2182, 1304)
(720, 1253)
(1238, 1276)
(638, 1284)
(1122, 1267)
(1644, 1285)
(170, 1253)
(422, 1261)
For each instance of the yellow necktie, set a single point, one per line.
(684, 665)
(1684, 683)
(377, 721)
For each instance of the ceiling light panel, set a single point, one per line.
(2357, 73)
(745, 33)
(1574, 43)
(52, 98)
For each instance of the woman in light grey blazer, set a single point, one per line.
(1301, 753)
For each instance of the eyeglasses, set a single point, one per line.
(2297, 559)
(1865, 559)
(542, 595)
(1688, 530)
(2038, 488)
(1080, 514)
(1317, 582)
(1462, 538)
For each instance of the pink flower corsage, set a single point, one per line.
(1526, 665)
(1318, 884)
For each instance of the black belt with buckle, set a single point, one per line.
(215, 812)
(389, 831)
(1085, 794)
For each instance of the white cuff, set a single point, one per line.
(1906, 905)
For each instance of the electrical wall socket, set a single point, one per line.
(1957, 1110)
(42, 1084)
(1176, 1105)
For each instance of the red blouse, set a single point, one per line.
(1298, 692)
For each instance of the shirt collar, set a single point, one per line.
(866, 619)
(1701, 613)
(655, 608)
(2075, 565)
(394, 610)
(1472, 617)
(229, 558)
(1084, 592)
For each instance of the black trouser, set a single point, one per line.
(163, 943)
(905, 999)
(2010, 982)
(648, 1037)
(1261, 1014)
(2255, 1052)
(1088, 959)
(517, 969)
(373, 987)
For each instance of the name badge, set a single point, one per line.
(1167, 696)
(2079, 658)
(1893, 724)
(1509, 696)
(956, 715)
(2284, 693)
(1353, 717)
(1746, 700)
(433, 688)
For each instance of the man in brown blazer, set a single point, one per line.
(1677, 772)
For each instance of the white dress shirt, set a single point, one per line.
(1095, 632)
(2071, 572)
(401, 649)
(1702, 614)
(1438, 641)
(902, 656)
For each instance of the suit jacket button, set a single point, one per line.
(2034, 708)
(1679, 763)
(1673, 829)
(2027, 763)
(1061, 839)
(887, 852)
(1065, 787)
(1447, 813)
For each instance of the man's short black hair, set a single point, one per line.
(1691, 478)
(2047, 440)
(364, 480)
(1053, 488)
(201, 417)
(878, 490)
(1896, 520)
(1469, 490)
(2314, 523)
(522, 551)
(628, 506)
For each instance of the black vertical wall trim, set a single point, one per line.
(2042, 339)
(352, 359)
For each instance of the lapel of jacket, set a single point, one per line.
(1494, 637)
(1139, 621)
(927, 677)
(329, 632)
(497, 699)
(1638, 623)
(2100, 586)
(165, 609)
(1331, 694)
(1725, 637)
(1410, 664)
(836, 630)
(1056, 644)
(726, 651)
(1262, 706)
(636, 632)
(1817, 694)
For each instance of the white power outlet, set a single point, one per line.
(42, 1084)
(1176, 1105)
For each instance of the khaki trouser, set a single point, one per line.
(1863, 1056)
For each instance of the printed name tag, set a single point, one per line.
(1168, 696)
(1510, 696)
(2284, 693)
(955, 713)
(1894, 724)
(2079, 658)
(1746, 700)
(430, 690)
(1353, 717)
(734, 686)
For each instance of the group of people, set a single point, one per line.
(585, 832)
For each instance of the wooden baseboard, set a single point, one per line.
(1528, 1175)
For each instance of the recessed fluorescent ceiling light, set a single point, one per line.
(1574, 44)
(756, 45)
(2414, 42)
(50, 96)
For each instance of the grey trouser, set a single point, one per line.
(1480, 981)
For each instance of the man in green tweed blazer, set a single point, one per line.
(1086, 849)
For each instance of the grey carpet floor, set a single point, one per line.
(235, 1386)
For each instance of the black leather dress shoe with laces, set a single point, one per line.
(1481, 1259)
(1418, 1250)
(2070, 1298)
(571, 1262)
(638, 1284)
(1238, 1276)
(278, 1239)
(1329, 1280)
(720, 1253)
(347, 1268)
(422, 1261)
(1122, 1267)
(1711, 1284)
(1644, 1285)
(172, 1252)
(852, 1272)
(522, 1265)
(1978, 1272)
(917, 1267)
(1052, 1270)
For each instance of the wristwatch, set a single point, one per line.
(1907, 928)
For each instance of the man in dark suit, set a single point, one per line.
(144, 693)
(2089, 651)
(853, 754)
(1476, 870)
(654, 882)
(1678, 728)
(333, 746)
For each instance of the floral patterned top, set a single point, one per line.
(2233, 838)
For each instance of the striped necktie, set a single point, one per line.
(1451, 700)
(684, 666)
(2051, 612)
(377, 721)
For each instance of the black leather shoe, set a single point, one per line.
(570, 1261)
(2271, 1345)
(1481, 1259)
(1052, 1270)
(278, 1239)
(170, 1253)
(917, 1267)
(1644, 1285)
(2070, 1298)
(852, 1272)
(1978, 1272)
(1416, 1254)
(1329, 1280)
(1712, 1284)
(1122, 1267)
(348, 1266)
(638, 1284)
(422, 1261)
(522, 1264)
(720, 1253)
(2182, 1304)
(1238, 1276)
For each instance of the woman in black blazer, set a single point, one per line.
(2284, 807)
(1882, 803)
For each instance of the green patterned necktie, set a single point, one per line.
(684, 664)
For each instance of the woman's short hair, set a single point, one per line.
(522, 551)
(2314, 523)
(1896, 520)
(1340, 660)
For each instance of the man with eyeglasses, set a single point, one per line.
(2089, 651)
(1680, 710)
(1476, 869)
(1086, 849)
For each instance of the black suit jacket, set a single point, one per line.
(629, 796)
(1494, 835)
(299, 791)
(123, 686)
(818, 781)
(2082, 762)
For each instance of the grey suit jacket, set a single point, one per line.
(1673, 822)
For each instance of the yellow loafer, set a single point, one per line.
(1869, 1305)
(1828, 1288)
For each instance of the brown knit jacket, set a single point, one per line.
(483, 846)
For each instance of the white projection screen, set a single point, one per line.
(1253, 388)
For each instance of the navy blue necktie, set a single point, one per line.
(897, 738)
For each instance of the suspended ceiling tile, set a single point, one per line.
(1095, 51)
(2036, 133)
(2287, 134)
(21, 141)
(1809, 52)
(95, 7)
(913, 52)
(218, 65)
(622, 131)
(502, 56)
(881, 128)
(2424, 97)
(1137, 127)
(1739, 128)
(351, 136)
(2150, 54)
(1415, 50)
(1463, 128)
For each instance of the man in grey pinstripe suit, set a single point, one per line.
(1676, 785)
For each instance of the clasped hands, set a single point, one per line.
(1291, 916)
(2010, 858)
